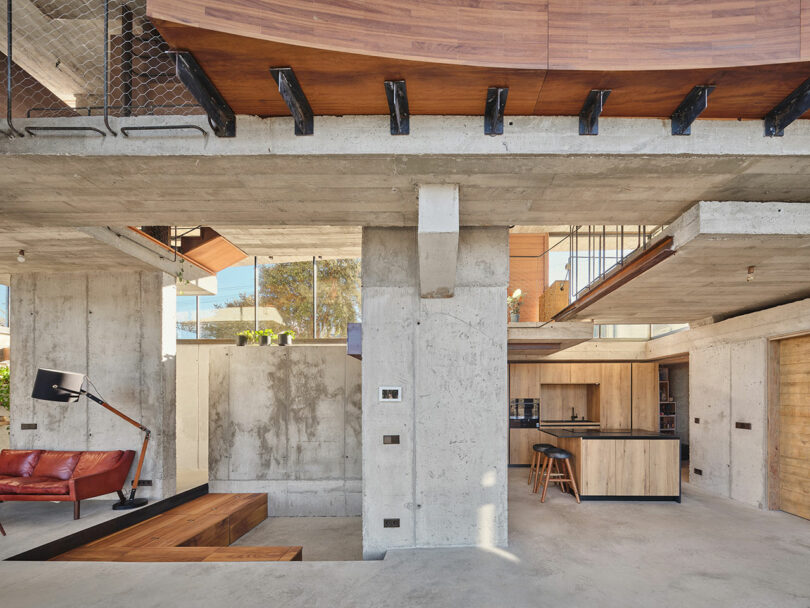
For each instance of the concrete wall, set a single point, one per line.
(118, 328)
(286, 421)
(446, 480)
(192, 409)
(728, 367)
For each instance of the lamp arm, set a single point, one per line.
(147, 432)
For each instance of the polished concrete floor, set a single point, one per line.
(325, 539)
(705, 552)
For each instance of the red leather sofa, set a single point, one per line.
(30, 475)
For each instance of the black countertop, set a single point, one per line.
(573, 433)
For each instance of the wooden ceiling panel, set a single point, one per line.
(481, 33)
(342, 83)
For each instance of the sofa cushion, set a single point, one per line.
(18, 463)
(41, 485)
(58, 465)
(8, 485)
(96, 462)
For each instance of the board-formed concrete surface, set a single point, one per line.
(706, 552)
(327, 539)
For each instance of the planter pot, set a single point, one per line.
(241, 340)
(284, 340)
(514, 317)
(264, 340)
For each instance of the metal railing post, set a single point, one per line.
(107, 67)
(11, 130)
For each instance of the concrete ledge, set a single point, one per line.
(348, 135)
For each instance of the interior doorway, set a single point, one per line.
(673, 405)
(789, 426)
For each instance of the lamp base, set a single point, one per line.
(132, 503)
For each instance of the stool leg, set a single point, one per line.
(3, 532)
(533, 467)
(573, 482)
(545, 483)
(559, 475)
(538, 478)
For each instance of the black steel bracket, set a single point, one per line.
(493, 113)
(293, 95)
(397, 96)
(125, 130)
(220, 114)
(788, 110)
(691, 107)
(591, 109)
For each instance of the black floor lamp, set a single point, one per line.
(67, 387)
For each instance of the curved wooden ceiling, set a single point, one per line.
(352, 84)
(588, 35)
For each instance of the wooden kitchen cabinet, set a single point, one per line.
(520, 445)
(645, 396)
(524, 381)
(615, 396)
(586, 373)
(555, 373)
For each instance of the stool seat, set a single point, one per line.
(558, 453)
(542, 447)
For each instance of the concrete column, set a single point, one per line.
(119, 329)
(446, 479)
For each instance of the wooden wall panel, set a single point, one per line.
(520, 445)
(794, 426)
(671, 34)
(665, 471)
(528, 274)
(556, 401)
(645, 396)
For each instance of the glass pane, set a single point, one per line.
(186, 317)
(230, 311)
(662, 329)
(3, 306)
(338, 296)
(285, 297)
(625, 332)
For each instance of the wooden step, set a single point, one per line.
(184, 554)
(199, 530)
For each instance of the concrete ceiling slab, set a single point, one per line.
(715, 245)
(296, 243)
(238, 191)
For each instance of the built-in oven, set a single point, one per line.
(524, 412)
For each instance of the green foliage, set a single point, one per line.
(4, 388)
(287, 332)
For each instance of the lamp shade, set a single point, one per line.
(50, 383)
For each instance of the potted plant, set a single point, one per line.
(285, 338)
(513, 303)
(243, 337)
(5, 405)
(265, 337)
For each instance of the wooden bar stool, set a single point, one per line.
(538, 455)
(552, 456)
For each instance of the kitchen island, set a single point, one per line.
(620, 465)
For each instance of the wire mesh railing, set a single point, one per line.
(71, 58)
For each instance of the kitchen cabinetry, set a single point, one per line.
(645, 396)
(615, 396)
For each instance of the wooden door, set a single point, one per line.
(794, 426)
(615, 396)
(645, 396)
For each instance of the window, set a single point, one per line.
(285, 293)
(4, 300)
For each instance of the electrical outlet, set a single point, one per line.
(697, 420)
(698, 471)
(144, 482)
(28, 426)
(743, 425)
(391, 439)
(390, 393)
(391, 523)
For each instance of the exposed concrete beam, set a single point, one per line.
(71, 63)
(438, 239)
(145, 250)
